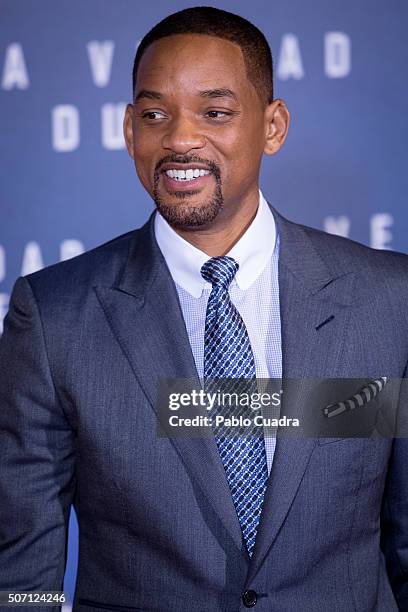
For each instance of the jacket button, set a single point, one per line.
(249, 598)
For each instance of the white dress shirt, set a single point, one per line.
(254, 292)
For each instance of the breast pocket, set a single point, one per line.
(350, 409)
(324, 441)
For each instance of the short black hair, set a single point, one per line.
(216, 22)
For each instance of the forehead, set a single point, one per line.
(185, 62)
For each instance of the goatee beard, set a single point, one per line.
(186, 216)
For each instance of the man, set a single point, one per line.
(217, 283)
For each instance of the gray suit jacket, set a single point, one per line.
(84, 346)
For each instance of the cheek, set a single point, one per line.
(145, 142)
(144, 155)
(144, 170)
(242, 147)
(242, 157)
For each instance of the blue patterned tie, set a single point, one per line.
(228, 354)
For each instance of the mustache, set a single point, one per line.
(189, 159)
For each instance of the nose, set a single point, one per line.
(183, 135)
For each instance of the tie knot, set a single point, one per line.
(219, 271)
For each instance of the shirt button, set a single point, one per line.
(249, 598)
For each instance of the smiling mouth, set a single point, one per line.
(186, 176)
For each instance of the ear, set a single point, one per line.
(277, 119)
(128, 129)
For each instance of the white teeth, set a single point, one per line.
(187, 175)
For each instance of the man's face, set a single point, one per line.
(197, 129)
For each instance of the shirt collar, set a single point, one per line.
(252, 251)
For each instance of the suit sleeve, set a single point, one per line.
(394, 519)
(37, 458)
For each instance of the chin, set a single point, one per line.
(189, 216)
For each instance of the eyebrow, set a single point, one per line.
(146, 93)
(222, 92)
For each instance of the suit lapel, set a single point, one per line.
(314, 306)
(145, 316)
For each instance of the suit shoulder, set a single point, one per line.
(98, 265)
(342, 253)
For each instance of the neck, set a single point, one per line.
(225, 231)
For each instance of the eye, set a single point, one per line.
(217, 114)
(152, 115)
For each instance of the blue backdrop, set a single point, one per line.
(67, 183)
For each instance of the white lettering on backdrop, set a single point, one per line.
(380, 234)
(65, 128)
(4, 304)
(2, 263)
(15, 75)
(340, 226)
(100, 58)
(337, 55)
(290, 64)
(112, 126)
